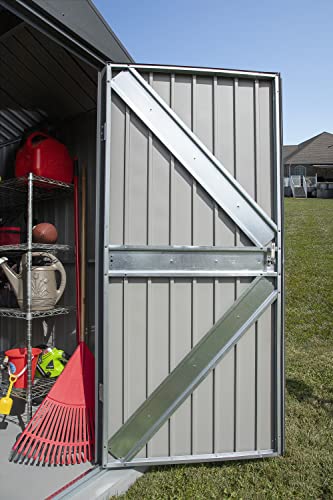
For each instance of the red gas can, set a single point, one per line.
(42, 155)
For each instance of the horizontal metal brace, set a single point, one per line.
(182, 261)
(194, 70)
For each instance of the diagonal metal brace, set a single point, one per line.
(192, 370)
(194, 156)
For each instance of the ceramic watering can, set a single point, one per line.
(44, 291)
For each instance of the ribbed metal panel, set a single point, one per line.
(13, 123)
(7, 160)
(11, 330)
(80, 136)
(155, 322)
(40, 79)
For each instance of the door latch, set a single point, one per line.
(100, 392)
(271, 255)
(103, 132)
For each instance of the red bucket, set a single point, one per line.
(19, 358)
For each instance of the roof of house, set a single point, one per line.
(287, 150)
(78, 20)
(317, 150)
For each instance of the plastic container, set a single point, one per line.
(10, 235)
(44, 156)
(19, 359)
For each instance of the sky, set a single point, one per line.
(292, 37)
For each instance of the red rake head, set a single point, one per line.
(76, 384)
(62, 430)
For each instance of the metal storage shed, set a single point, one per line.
(185, 280)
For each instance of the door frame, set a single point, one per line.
(102, 266)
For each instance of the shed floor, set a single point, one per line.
(19, 481)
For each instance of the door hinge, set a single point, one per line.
(103, 132)
(271, 255)
(100, 392)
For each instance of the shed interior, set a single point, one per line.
(45, 87)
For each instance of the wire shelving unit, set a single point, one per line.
(18, 194)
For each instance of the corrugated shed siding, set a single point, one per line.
(10, 331)
(7, 160)
(14, 121)
(79, 135)
(155, 322)
(40, 79)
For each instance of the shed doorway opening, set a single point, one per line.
(46, 91)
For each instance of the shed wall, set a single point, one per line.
(155, 322)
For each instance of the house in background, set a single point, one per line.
(308, 167)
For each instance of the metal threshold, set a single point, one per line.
(98, 483)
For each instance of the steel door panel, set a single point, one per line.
(115, 359)
(202, 398)
(245, 384)
(182, 101)
(264, 361)
(245, 140)
(180, 345)
(154, 201)
(264, 146)
(119, 135)
(157, 345)
(159, 194)
(224, 376)
(203, 166)
(224, 122)
(192, 370)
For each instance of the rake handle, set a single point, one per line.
(77, 251)
(83, 250)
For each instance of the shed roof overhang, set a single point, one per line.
(78, 26)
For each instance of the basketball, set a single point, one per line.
(44, 233)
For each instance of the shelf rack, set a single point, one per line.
(35, 247)
(15, 194)
(40, 388)
(16, 313)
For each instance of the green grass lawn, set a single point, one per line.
(306, 470)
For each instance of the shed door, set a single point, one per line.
(191, 338)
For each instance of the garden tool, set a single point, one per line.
(51, 362)
(6, 402)
(45, 292)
